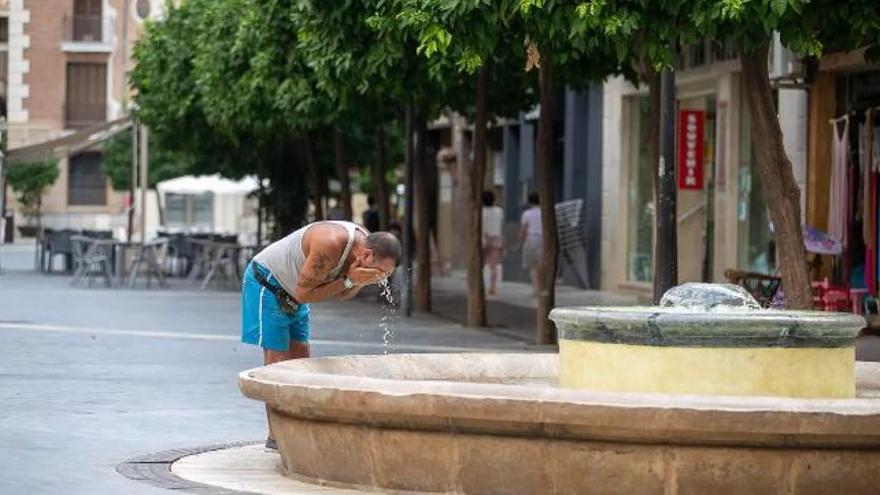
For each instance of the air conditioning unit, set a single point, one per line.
(786, 69)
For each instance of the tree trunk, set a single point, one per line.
(132, 186)
(261, 192)
(315, 175)
(342, 172)
(546, 331)
(409, 200)
(39, 210)
(423, 223)
(777, 179)
(380, 185)
(476, 302)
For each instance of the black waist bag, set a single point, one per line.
(288, 303)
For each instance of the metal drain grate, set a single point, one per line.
(155, 469)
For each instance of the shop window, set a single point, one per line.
(756, 249)
(86, 182)
(640, 192)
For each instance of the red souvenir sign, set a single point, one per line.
(690, 149)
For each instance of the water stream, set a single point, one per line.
(388, 321)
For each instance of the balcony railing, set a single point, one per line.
(88, 29)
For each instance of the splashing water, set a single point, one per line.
(709, 297)
(389, 315)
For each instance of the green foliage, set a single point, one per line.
(30, 180)
(201, 92)
(650, 30)
(164, 164)
(457, 38)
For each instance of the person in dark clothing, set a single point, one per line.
(371, 216)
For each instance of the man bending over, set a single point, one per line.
(322, 261)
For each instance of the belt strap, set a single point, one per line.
(278, 291)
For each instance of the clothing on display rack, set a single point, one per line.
(838, 198)
(866, 137)
(871, 261)
(865, 166)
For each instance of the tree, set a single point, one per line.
(563, 56)
(810, 28)
(197, 98)
(480, 40)
(30, 180)
(361, 51)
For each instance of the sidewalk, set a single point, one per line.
(511, 311)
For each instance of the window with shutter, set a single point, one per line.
(86, 94)
(86, 182)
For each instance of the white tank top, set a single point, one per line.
(285, 257)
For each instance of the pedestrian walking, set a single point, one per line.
(493, 222)
(531, 241)
(371, 217)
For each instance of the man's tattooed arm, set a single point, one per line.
(314, 283)
(316, 274)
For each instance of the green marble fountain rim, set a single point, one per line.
(674, 327)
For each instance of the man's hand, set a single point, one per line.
(365, 276)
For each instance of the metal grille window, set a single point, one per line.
(86, 182)
(86, 94)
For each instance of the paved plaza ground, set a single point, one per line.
(92, 377)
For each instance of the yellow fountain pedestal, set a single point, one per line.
(708, 350)
(787, 372)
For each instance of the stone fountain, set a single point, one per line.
(705, 394)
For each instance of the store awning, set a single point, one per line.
(69, 144)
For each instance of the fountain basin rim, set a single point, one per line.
(306, 389)
(678, 327)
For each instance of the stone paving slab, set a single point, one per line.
(245, 469)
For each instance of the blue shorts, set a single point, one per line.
(263, 322)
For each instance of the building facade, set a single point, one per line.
(511, 160)
(722, 215)
(67, 67)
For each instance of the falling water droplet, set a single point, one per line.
(389, 316)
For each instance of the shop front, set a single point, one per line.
(844, 169)
(722, 218)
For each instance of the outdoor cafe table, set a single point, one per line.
(147, 253)
(223, 258)
(202, 251)
(114, 250)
